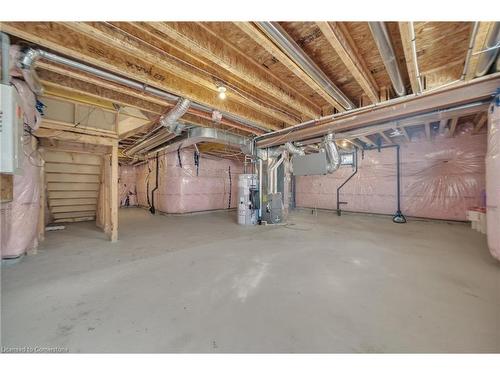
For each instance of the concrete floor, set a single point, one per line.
(202, 283)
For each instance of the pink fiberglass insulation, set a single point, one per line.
(126, 186)
(19, 217)
(182, 190)
(439, 179)
(493, 179)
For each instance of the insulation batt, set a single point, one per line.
(493, 179)
(440, 179)
(180, 190)
(126, 186)
(19, 218)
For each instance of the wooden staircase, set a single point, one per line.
(72, 180)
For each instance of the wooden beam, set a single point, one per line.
(479, 45)
(62, 39)
(453, 127)
(452, 96)
(367, 140)
(64, 135)
(102, 33)
(385, 138)
(479, 125)
(114, 194)
(192, 37)
(442, 125)
(427, 127)
(42, 199)
(405, 133)
(261, 39)
(404, 30)
(339, 38)
(281, 81)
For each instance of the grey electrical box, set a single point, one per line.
(11, 130)
(311, 164)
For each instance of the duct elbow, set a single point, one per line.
(332, 153)
(26, 64)
(170, 119)
(294, 150)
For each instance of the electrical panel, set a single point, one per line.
(11, 130)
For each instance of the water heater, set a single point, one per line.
(248, 199)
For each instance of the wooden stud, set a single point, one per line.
(453, 126)
(479, 125)
(342, 43)
(427, 127)
(114, 194)
(442, 125)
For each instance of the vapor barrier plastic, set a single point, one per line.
(19, 218)
(493, 179)
(439, 179)
(126, 186)
(183, 189)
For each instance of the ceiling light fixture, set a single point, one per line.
(222, 92)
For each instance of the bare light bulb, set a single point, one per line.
(222, 92)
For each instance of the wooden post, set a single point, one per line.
(114, 193)
(41, 214)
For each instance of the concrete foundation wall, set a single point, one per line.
(182, 190)
(440, 179)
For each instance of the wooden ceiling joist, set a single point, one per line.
(411, 64)
(344, 46)
(385, 138)
(63, 40)
(101, 33)
(277, 53)
(199, 42)
(479, 44)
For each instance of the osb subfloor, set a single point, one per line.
(201, 283)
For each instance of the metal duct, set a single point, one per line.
(198, 134)
(383, 41)
(28, 57)
(332, 153)
(293, 50)
(490, 52)
(5, 59)
(170, 119)
(39, 53)
(277, 151)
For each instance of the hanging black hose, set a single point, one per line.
(152, 208)
(230, 188)
(179, 156)
(197, 162)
